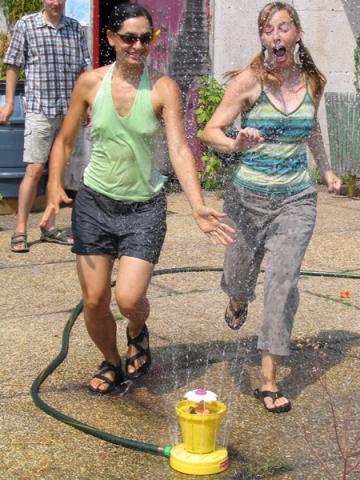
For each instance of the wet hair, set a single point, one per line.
(123, 12)
(316, 78)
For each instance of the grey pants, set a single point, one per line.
(281, 227)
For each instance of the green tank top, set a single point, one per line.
(124, 162)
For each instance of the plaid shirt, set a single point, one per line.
(53, 59)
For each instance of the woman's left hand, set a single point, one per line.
(332, 181)
(209, 221)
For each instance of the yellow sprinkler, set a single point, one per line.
(200, 416)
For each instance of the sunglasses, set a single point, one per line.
(131, 38)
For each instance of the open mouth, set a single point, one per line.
(279, 52)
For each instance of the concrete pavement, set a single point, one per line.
(192, 347)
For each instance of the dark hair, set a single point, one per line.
(123, 12)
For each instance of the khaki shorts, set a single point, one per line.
(39, 136)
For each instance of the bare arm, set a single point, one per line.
(183, 162)
(7, 109)
(316, 146)
(244, 89)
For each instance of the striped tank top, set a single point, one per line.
(279, 164)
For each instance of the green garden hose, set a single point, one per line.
(108, 437)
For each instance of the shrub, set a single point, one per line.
(4, 43)
(315, 173)
(15, 9)
(211, 93)
(357, 65)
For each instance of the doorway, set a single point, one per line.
(103, 53)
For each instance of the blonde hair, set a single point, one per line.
(263, 72)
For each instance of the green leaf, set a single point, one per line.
(357, 65)
(211, 93)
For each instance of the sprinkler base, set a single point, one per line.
(198, 463)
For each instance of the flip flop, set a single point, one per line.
(274, 396)
(235, 317)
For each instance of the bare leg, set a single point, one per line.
(27, 195)
(132, 282)
(269, 363)
(95, 280)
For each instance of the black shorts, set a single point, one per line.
(103, 226)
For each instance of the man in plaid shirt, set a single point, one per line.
(52, 49)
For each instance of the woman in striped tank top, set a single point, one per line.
(271, 198)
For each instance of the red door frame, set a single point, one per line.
(96, 33)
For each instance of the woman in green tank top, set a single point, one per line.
(119, 211)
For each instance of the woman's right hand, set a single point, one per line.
(56, 196)
(333, 182)
(247, 138)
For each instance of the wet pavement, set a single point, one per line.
(191, 347)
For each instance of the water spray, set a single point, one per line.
(200, 414)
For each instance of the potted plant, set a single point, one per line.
(343, 116)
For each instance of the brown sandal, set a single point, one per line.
(56, 235)
(235, 317)
(18, 239)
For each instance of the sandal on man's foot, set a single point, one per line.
(141, 352)
(107, 367)
(19, 243)
(235, 317)
(261, 395)
(56, 235)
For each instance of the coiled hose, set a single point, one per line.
(108, 437)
